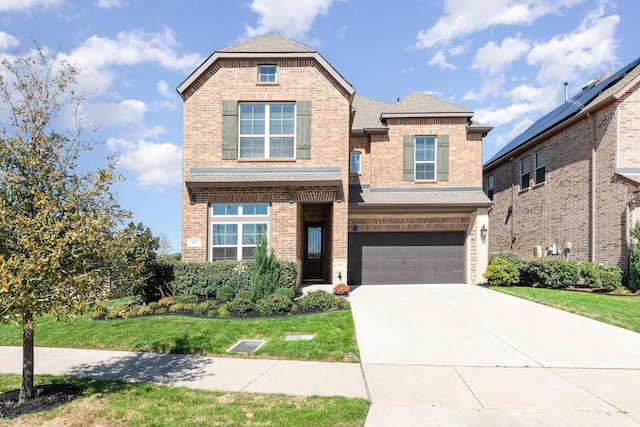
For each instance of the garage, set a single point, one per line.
(406, 257)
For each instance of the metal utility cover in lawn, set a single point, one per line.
(298, 337)
(246, 346)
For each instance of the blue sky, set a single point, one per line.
(506, 60)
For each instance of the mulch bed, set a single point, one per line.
(46, 396)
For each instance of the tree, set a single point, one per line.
(57, 224)
(264, 271)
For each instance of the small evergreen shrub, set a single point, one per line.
(239, 306)
(176, 308)
(225, 293)
(286, 292)
(501, 272)
(318, 300)
(203, 308)
(264, 271)
(611, 277)
(143, 310)
(567, 272)
(223, 311)
(288, 274)
(245, 294)
(273, 304)
(185, 299)
(100, 311)
(590, 272)
(507, 256)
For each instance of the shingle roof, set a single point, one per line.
(408, 197)
(590, 96)
(419, 103)
(266, 177)
(270, 43)
(368, 113)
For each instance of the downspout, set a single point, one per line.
(592, 201)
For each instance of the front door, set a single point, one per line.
(314, 256)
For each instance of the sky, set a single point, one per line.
(506, 60)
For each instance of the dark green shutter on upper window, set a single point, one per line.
(443, 157)
(303, 130)
(229, 130)
(408, 162)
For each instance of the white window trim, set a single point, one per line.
(435, 158)
(267, 135)
(260, 74)
(240, 219)
(359, 155)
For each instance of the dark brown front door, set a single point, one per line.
(314, 255)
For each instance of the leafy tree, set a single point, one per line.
(135, 269)
(634, 262)
(57, 223)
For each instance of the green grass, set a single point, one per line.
(334, 335)
(114, 403)
(622, 311)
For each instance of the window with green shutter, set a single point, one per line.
(425, 158)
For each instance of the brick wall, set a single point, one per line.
(560, 209)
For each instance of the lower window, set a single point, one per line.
(236, 229)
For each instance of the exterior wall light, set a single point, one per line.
(483, 233)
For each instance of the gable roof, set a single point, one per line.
(367, 113)
(421, 104)
(270, 46)
(589, 98)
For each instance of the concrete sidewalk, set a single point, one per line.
(207, 373)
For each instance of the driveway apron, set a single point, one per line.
(465, 355)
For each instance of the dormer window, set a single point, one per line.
(266, 73)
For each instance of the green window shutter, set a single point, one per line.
(408, 159)
(303, 130)
(229, 130)
(443, 158)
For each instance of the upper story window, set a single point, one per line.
(490, 186)
(540, 166)
(236, 229)
(267, 73)
(525, 172)
(267, 131)
(425, 158)
(356, 158)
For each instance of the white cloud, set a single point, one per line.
(579, 53)
(155, 164)
(291, 18)
(439, 59)
(129, 111)
(108, 4)
(7, 41)
(26, 5)
(493, 58)
(464, 17)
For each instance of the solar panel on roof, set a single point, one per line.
(564, 111)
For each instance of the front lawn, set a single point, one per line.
(114, 403)
(334, 335)
(622, 311)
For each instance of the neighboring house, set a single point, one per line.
(570, 182)
(276, 143)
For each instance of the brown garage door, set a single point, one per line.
(406, 258)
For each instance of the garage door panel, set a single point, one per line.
(394, 258)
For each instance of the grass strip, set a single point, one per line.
(115, 403)
(334, 335)
(617, 310)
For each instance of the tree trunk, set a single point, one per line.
(26, 387)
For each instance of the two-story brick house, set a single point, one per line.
(277, 143)
(571, 180)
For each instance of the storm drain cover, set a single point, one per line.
(246, 346)
(298, 337)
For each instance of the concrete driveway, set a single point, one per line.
(466, 355)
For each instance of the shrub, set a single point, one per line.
(536, 273)
(142, 310)
(239, 306)
(244, 294)
(185, 299)
(288, 274)
(165, 302)
(318, 300)
(264, 272)
(507, 256)
(203, 307)
(223, 311)
(566, 272)
(501, 272)
(100, 311)
(611, 277)
(273, 304)
(590, 272)
(286, 292)
(176, 308)
(634, 259)
(341, 289)
(225, 293)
